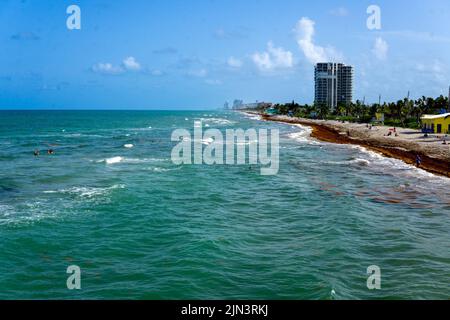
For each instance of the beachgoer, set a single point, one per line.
(50, 151)
(418, 160)
(36, 153)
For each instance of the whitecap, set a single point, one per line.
(361, 162)
(217, 121)
(143, 160)
(6, 210)
(159, 169)
(87, 192)
(128, 145)
(303, 136)
(112, 160)
(398, 166)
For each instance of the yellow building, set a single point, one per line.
(436, 123)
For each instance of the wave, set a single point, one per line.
(303, 136)
(115, 160)
(217, 121)
(159, 169)
(82, 135)
(253, 116)
(207, 141)
(6, 210)
(361, 162)
(87, 192)
(398, 166)
(112, 160)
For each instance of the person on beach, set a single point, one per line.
(418, 161)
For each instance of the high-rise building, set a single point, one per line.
(333, 84)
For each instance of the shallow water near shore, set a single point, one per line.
(111, 201)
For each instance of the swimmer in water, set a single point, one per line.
(50, 151)
(36, 153)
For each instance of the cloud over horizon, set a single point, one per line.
(128, 64)
(380, 49)
(304, 31)
(272, 59)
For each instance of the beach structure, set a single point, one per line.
(271, 111)
(436, 123)
(333, 84)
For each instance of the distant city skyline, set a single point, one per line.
(199, 54)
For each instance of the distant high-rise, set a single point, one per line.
(333, 84)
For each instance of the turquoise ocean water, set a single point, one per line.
(141, 227)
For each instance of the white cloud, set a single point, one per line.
(107, 68)
(304, 31)
(234, 63)
(380, 49)
(273, 58)
(128, 64)
(131, 64)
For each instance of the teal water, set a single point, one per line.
(141, 227)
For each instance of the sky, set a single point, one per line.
(198, 54)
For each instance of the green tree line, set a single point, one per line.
(405, 113)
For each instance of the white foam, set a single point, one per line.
(6, 210)
(113, 160)
(361, 162)
(207, 141)
(87, 192)
(253, 117)
(128, 146)
(217, 121)
(143, 160)
(159, 169)
(398, 166)
(303, 136)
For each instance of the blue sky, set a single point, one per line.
(197, 54)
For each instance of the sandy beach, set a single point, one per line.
(406, 145)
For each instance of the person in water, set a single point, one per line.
(36, 153)
(50, 151)
(418, 161)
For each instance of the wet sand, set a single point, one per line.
(406, 146)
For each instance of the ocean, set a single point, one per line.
(141, 227)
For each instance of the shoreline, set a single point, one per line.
(401, 149)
